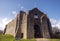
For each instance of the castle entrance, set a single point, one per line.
(37, 31)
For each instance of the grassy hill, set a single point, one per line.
(6, 38)
(11, 38)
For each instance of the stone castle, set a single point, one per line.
(34, 24)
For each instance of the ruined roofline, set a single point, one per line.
(36, 9)
(11, 21)
(23, 12)
(16, 16)
(28, 25)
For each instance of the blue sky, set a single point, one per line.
(8, 8)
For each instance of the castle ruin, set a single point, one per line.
(34, 24)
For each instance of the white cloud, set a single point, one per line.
(58, 24)
(14, 13)
(55, 23)
(3, 22)
(1, 26)
(22, 7)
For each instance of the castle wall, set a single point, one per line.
(24, 26)
(30, 29)
(10, 27)
(21, 31)
(44, 25)
(18, 26)
(41, 21)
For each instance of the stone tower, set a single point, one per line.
(34, 24)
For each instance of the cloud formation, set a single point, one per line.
(3, 22)
(14, 13)
(55, 23)
(22, 7)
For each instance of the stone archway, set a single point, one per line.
(37, 33)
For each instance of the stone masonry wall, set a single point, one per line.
(10, 28)
(45, 30)
(24, 26)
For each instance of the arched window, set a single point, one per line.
(37, 33)
(36, 16)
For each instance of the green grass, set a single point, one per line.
(27, 40)
(6, 38)
(54, 39)
(11, 38)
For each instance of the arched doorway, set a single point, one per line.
(37, 33)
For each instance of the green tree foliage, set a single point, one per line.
(56, 32)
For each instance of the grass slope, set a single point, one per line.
(6, 38)
(54, 39)
(11, 38)
(27, 40)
